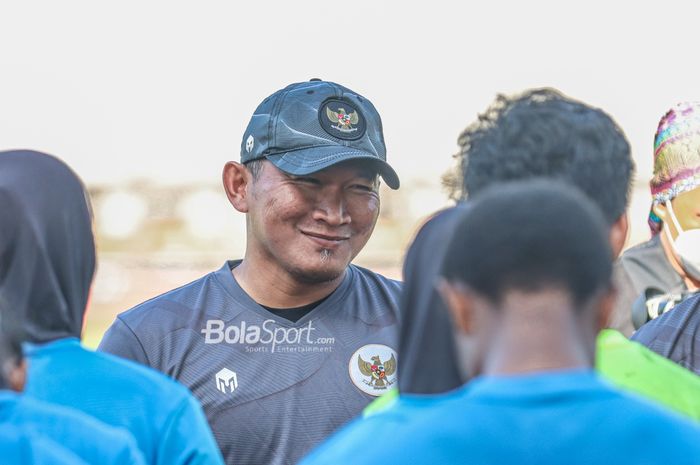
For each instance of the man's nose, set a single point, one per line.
(331, 208)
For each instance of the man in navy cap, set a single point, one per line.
(290, 342)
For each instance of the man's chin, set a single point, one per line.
(319, 273)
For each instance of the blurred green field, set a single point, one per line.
(93, 332)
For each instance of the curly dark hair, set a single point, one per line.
(543, 133)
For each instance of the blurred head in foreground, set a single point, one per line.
(532, 292)
(543, 133)
(539, 133)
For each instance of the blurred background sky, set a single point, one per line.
(147, 100)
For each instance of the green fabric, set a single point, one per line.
(381, 403)
(633, 367)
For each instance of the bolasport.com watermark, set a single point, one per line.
(267, 337)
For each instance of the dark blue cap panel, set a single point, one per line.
(341, 119)
(310, 119)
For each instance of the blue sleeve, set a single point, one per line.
(187, 438)
(130, 453)
(121, 341)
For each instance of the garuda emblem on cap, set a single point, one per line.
(343, 119)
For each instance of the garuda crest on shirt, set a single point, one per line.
(343, 119)
(377, 371)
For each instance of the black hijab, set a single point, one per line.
(47, 250)
(427, 355)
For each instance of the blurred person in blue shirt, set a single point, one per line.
(46, 270)
(527, 279)
(35, 432)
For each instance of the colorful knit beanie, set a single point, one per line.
(676, 156)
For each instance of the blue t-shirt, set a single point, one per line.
(19, 446)
(272, 389)
(84, 436)
(568, 417)
(164, 418)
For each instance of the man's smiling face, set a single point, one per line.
(312, 226)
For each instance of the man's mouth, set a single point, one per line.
(327, 241)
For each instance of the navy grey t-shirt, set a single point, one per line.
(675, 334)
(271, 389)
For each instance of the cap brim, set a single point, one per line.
(311, 160)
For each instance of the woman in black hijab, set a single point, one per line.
(47, 262)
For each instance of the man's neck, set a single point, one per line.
(538, 333)
(675, 262)
(273, 287)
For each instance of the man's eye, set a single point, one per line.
(308, 180)
(363, 187)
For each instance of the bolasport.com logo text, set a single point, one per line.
(266, 337)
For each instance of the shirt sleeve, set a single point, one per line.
(187, 438)
(130, 454)
(674, 334)
(121, 341)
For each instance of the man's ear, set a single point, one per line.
(661, 211)
(237, 178)
(18, 376)
(460, 304)
(606, 306)
(618, 235)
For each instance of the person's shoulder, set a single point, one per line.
(180, 300)
(373, 278)
(112, 373)
(45, 412)
(135, 376)
(347, 444)
(648, 332)
(642, 256)
(373, 296)
(674, 333)
(639, 430)
(408, 413)
(680, 322)
(342, 446)
(640, 413)
(647, 246)
(441, 222)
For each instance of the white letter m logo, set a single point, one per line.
(226, 379)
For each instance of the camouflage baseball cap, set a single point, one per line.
(309, 126)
